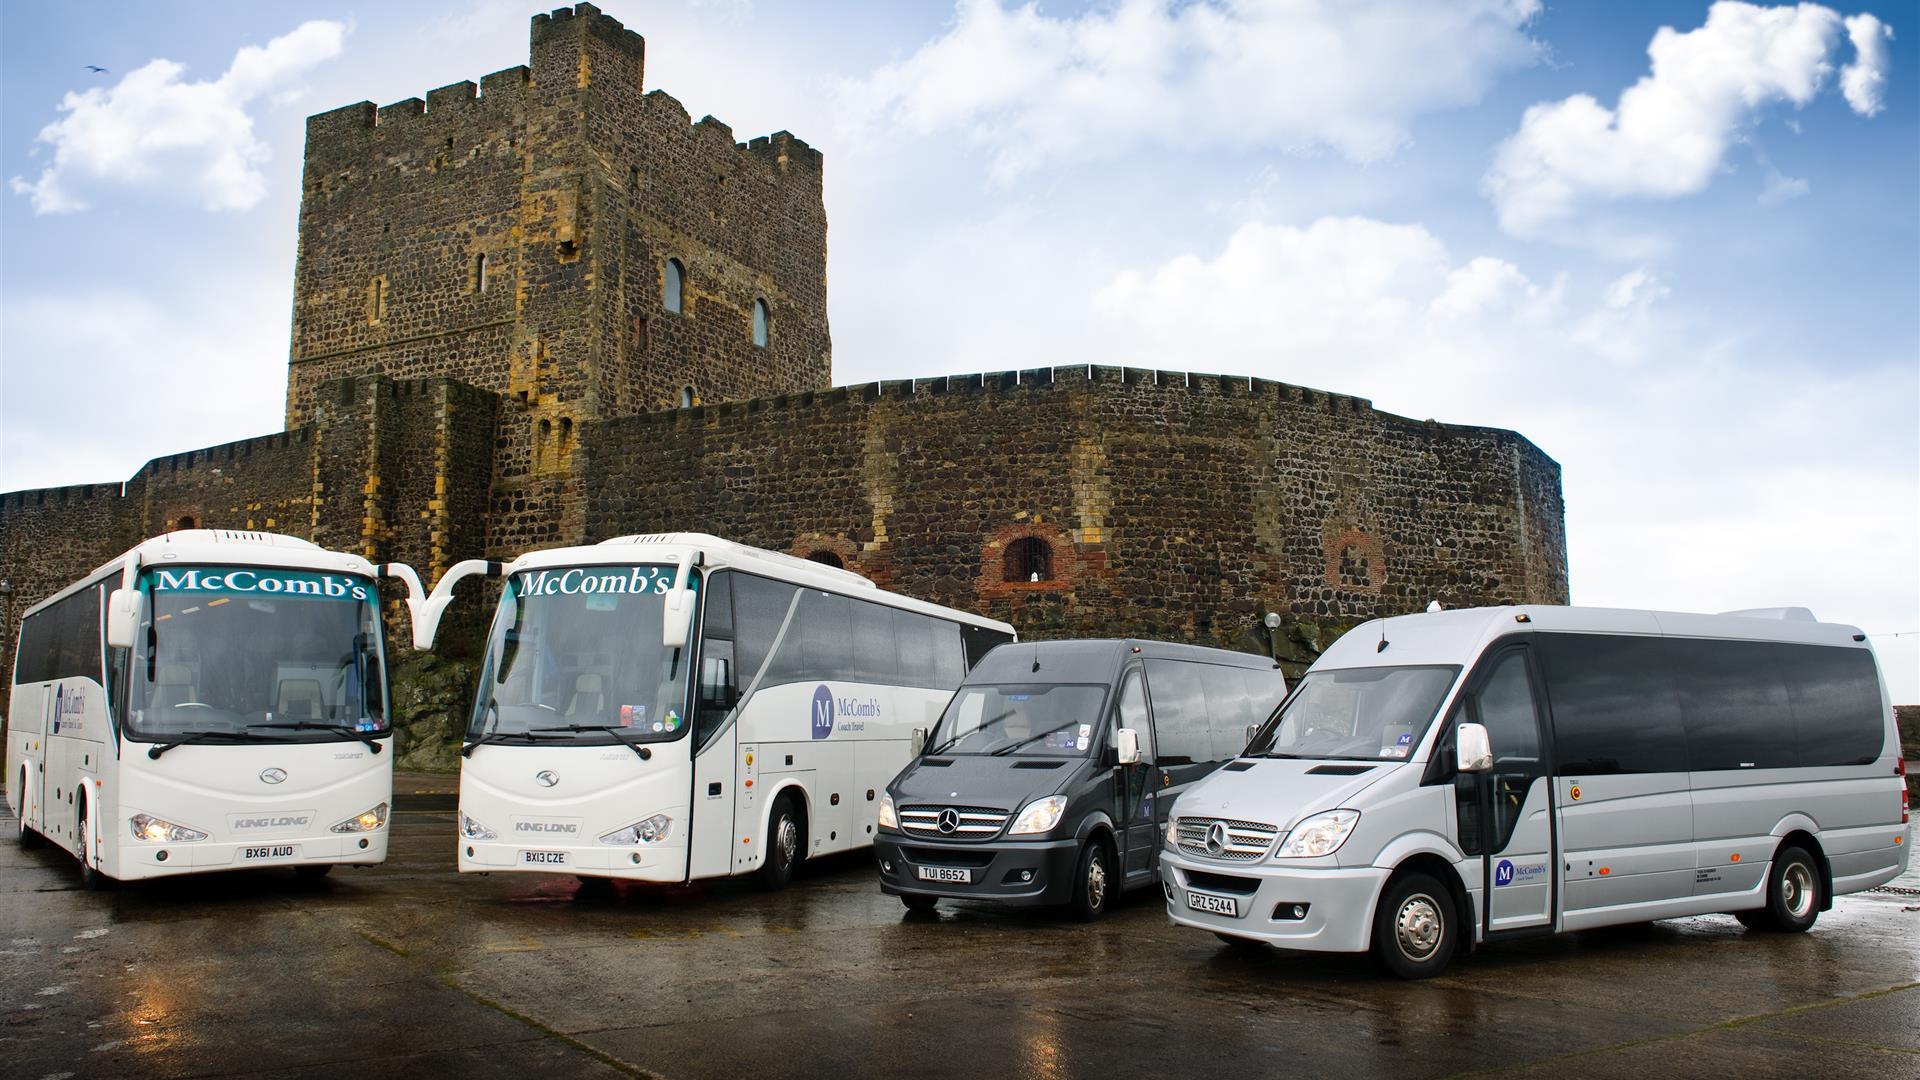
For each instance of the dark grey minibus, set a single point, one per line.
(1049, 776)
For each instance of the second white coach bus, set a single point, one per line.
(678, 706)
(1439, 780)
(209, 700)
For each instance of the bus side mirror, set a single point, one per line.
(919, 741)
(1127, 742)
(1473, 750)
(123, 618)
(1252, 730)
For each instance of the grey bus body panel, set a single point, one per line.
(1590, 848)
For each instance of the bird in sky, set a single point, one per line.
(98, 70)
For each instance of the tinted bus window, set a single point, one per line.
(1837, 711)
(759, 609)
(1737, 712)
(1613, 704)
(1180, 722)
(1229, 708)
(875, 657)
(979, 640)
(33, 656)
(931, 653)
(719, 610)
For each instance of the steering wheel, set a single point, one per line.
(543, 705)
(191, 705)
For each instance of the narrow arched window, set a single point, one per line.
(672, 285)
(687, 397)
(1028, 559)
(760, 323)
(480, 272)
(827, 558)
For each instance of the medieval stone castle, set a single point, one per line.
(551, 309)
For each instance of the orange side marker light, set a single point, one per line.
(1604, 871)
(1736, 856)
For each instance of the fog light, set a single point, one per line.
(886, 867)
(363, 843)
(636, 858)
(1289, 911)
(469, 852)
(159, 856)
(1026, 875)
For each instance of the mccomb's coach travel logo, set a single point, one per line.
(848, 714)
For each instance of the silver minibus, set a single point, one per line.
(1440, 780)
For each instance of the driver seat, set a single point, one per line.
(173, 684)
(299, 699)
(589, 696)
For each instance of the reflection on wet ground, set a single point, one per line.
(410, 970)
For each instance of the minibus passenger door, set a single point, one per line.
(1135, 785)
(1515, 799)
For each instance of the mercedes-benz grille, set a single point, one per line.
(963, 822)
(1225, 838)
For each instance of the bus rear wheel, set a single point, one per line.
(1793, 894)
(786, 832)
(917, 902)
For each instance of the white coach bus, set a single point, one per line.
(678, 706)
(209, 700)
(1440, 780)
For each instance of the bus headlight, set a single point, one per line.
(365, 821)
(160, 831)
(651, 831)
(888, 819)
(473, 830)
(1040, 816)
(1321, 834)
(1173, 832)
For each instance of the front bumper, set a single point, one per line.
(138, 860)
(628, 862)
(1010, 871)
(1339, 902)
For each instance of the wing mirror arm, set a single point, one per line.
(426, 610)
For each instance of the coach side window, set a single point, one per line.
(719, 679)
(1229, 708)
(1836, 705)
(759, 610)
(1613, 704)
(1738, 715)
(876, 657)
(979, 640)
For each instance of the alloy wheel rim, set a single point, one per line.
(1796, 890)
(1096, 880)
(1417, 927)
(789, 838)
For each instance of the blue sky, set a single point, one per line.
(1684, 261)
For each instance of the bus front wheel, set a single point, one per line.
(786, 836)
(1093, 882)
(91, 878)
(1415, 930)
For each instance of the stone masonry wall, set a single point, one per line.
(1173, 506)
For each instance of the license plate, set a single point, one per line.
(946, 873)
(1219, 905)
(543, 858)
(269, 852)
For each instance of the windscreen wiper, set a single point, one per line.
(181, 738)
(491, 736)
(984, 725)
(614, 730)
(314, 725)
(1012, 746)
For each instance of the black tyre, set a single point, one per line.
(916, 902)
(91, 878)
(1793, 893)
(1240, 944)
(1094, 883)
(1415, 930)
(27, 837)
(1752, 920)
(312, 871)
(786, 836)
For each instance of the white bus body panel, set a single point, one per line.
(1671, 844)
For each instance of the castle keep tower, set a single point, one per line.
(564, 239)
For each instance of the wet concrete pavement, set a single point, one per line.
(410, 970)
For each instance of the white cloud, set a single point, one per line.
(1703, 472)
(1669, 133)
(154, 131)
(1344, 75)
(1865, 80)
(151, 375)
